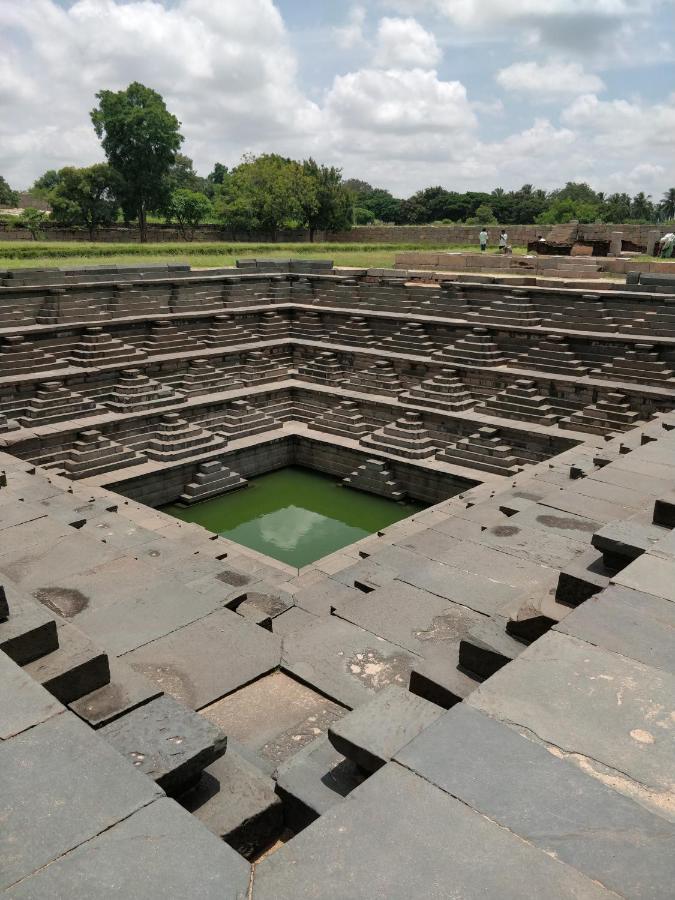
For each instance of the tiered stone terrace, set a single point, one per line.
(474, 702)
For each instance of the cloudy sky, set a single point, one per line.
(470, 94)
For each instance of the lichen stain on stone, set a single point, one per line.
(376, 671)
(505, 530)
(443, 628)
(564, 523)
(641, 736)
(65, 602)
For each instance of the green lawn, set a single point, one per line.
(28, 254)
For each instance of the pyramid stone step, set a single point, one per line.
(243, 420)
(225, 331)
(211, 479)
(475, 349)
(344, 420)
(405, 437)
(444, 391)
(93, 454)
(97, 347)
(380, 378)
(373, 477)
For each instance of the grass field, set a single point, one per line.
(28, 254)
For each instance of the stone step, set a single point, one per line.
(487, 648)
(167, 741)
(28, 631)
(77, 667)
(373, 733)
(439, 681)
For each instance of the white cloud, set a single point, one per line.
(548, 81)
(351, 34)
(404, 42)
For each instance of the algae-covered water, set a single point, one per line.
(295, 515)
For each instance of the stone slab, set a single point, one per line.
(417, 620)
(372, 734)
(544, 548)
(237, 803)
(207, 659)
(487, 647)
(547, 801)
(365, 848)
(314, 780)
(62, 785)
(639, 626)
(650, 574)
(158, 849)
(344, 662)
(321, 597)
(23, 702)
(166, 741)
(439, 681)
(127, 690)
(607, 713)
(274, 717)
(291, 620)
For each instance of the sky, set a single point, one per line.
(467, 94)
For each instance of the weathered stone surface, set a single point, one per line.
(23, 702)
(345, 662)
(547, 801)
(207, 659)
(126, 690)
(365, 848)
(275, 716)
(166, 741)
(237, 803)
(604, 711)
(486, 648)
(29, 632)
(159, 848)
(62, 785)
(409, 617)
(639, 626)
(650, 574)
(372, 734)
(439, 681)
(313, 780)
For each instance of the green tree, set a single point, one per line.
(568, 210)
(265, 193)
(214, 178)
(667, 204)
(484, 215)
(141, 139)
(331, 208)
(189, 209)
(616, 208)
(8, 197)
(182, 174)
(363, 216)
(34, 220)
(642, 209)
(86, 197)
(45, 184)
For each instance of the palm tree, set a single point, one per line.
(667, 205)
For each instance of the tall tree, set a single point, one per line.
(331, 206)
(265, 192)
(141, 139)
(8, 197)
(667, 205)
(86, 197)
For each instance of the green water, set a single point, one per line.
(295, 515)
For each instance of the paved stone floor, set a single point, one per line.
(475, 702)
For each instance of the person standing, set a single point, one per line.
(503, 241)
(483, 239)
(667, 243)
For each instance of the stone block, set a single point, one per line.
(664, 511)
(237, 803)
(158, 847)
(439, 681)
(649, 574)
(344, 662)
(365, 848)
(636, 625)
(314, 780)
(546, 801)
(30, 631)
(372, 734)
(126, 690)
(166, 741)
(486, 648)
(208, 658)
(23, 702)
(77, 667)
(566, 692)
(62, 786)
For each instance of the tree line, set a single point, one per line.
(146, 176)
